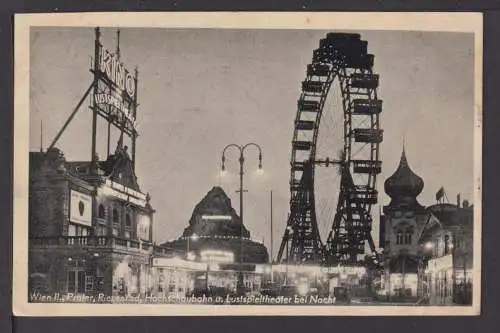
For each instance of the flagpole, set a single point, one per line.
(41, 136)
(272, 258)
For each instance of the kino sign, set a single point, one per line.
(118, 103)
(116, 72)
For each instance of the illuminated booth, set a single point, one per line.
(176, 277)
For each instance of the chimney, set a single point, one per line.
(458, 200)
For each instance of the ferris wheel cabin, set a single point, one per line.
(308, 106)
(366, 107)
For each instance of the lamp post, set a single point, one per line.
(241, 159)
(272, 275)
(194, 238)
(290, 233)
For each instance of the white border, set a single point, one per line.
(451, 22)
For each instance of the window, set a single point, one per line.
(101, 212)
(399, 237)
(143, 227)
(71, 230)
(77, 230)
(128, 222)
(115, 215)
(76, 281)
(408, 235)
(71, 281)
(101, 231)
(437, 247)
(446, 244)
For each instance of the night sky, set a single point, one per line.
(202, 89)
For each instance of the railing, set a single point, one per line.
(91, 241)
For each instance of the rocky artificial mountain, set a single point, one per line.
(216, 231)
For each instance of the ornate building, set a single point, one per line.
(404, 218)
(428, 251)
(90, 226)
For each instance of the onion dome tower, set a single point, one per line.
(403, 187)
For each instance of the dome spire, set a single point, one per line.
(403, 162)
(404, 185)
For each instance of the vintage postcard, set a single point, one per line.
(247, 164)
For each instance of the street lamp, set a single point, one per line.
(241, 159)
(194, 238)
(290, 234)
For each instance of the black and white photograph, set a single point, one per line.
(255, 164)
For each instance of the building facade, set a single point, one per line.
(90, 226)
(216, 237)
(448, 243)
(428, 251)
(176, 278)
(404, 219)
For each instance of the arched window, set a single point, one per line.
(399, 237)
(408, 235)
(101, 211)
(115, 215)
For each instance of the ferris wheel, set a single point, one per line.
(336, 127)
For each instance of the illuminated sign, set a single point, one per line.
(124, 189)
(119, 191)
(80, 208)
(143, 227)
(118, 103)
(347, 270)
(315, 269)
(116, 72)
(115, 94)
(216, 256)
(179, 263)
(216, 217)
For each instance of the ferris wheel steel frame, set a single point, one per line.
(344, 58)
